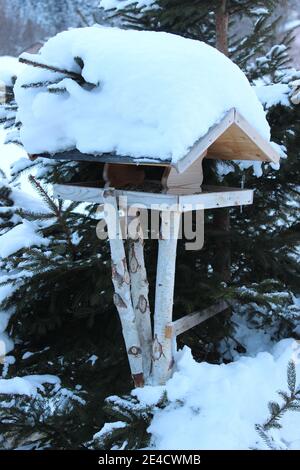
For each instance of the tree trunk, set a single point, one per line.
(121, 282)
(162, 350)
(222, 256)
(139, 295)
(222, 18)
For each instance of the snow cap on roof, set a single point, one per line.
(154, 94)
(9, 68)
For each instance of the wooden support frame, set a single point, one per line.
(162, 353)
(121, 282)
(140, 291)
(211, 197)
(131, 285)
(185, 323)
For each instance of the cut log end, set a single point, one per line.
(32, 157)
(138, 380)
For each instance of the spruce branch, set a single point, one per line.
(57, 209)
(291, 402)
(44, 84)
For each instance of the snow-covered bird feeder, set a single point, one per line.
(146, 107)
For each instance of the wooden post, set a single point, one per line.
(121, 282)
(221, 218)
(162, 349)
(140, 291)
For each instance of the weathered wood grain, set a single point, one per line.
(191, 320)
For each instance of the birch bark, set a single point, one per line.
(162, 348)
(121, 282)
(139, 293)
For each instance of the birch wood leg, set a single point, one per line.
(121, 282)
(162, 349)
(139, 292)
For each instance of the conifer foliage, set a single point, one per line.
(290, 401)
(61, 292)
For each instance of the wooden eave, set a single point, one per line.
(233, 138)
(76, 155)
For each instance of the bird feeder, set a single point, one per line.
(176, 189)
(160, 183)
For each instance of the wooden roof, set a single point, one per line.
(233, 138)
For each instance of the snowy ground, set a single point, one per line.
(217, 406)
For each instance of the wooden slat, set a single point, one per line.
(265, 146)
(75, 155)
(205, 142)
(95, 195)
(187, 322)
(232, 139)
(209, 199)
(235, 144)
(216, 199)
(78, 193)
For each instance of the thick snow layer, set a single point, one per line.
(4, 319)
(271, 95)
(23, 235)
(217, 406)
(28, 385)
(109, 428)
(9, 68)
(6, 343)
(155, 94)
(9, 153)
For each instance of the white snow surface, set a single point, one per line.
(117, 4)
(108, 428)
(217, 406)
(6, 343)
(271, 95)
(23, 235)
(28, 385)
(156, 94)
(9, 68)
(9, 153)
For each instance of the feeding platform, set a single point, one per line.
(147, 109)
(211, 197)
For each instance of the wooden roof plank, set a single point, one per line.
(265, 146)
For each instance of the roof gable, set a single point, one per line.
(233, 138)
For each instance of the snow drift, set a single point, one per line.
(154, 94)
(217, 406)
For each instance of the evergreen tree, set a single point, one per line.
(290, 402)
(7, 214)
(61, 292)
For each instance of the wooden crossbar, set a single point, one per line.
(187, 322)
